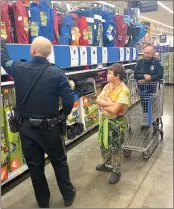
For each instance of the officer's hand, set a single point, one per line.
(147, 77)
(141, 81)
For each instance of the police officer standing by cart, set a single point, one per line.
(39, 85)
(148, 69)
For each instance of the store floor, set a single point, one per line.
(144, 184)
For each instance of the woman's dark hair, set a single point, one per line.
(118, 69)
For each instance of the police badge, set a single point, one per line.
(152, 68)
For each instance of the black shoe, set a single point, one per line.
(70, 201)
(102, 167)
(44, 206)
(114, 178)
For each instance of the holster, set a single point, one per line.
(14, 124)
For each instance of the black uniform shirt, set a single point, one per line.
(43, 102)
(151, 67)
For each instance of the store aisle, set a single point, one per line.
(143, 184)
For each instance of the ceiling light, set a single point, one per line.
(147, 18)
(106, 3)
(165, 7)
(156, 34)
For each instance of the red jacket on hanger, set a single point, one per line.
(21, 22)
(6, 28)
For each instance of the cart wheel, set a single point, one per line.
(162, 134)
(127, 153)
(146, 154)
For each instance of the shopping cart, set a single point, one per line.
(144, 117)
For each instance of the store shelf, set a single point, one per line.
(15, 173)
(85, 71)
(62, 54)
(77, 137)
(76, 72)
(7, 83)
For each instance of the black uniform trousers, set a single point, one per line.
(37, 142)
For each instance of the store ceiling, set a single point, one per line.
(161, 15)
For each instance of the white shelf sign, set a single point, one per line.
(83, 56)
(134, 53)
(127, 54)
(93, 55)
(104, 55)
(74, 56)
(121, 54)
(51, 57)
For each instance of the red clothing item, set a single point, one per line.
(119, 22)
(6, 28)
(83, 27)
(56, 28)
(21, 22)
(123, 41)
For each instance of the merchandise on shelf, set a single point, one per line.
(46, 20)
(75, 32)
(6, 28)
(167, 62)
(2, 114)
(73, 117)
(83, 27)
(22, 21)
(35, 25)
(109, 34)
(12, 139)
(89, 114)
(65, 32)
(4, 157)
(13, 143)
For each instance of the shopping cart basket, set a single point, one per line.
(144, 117)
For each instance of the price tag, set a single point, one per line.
(74, 56)
(83, 56)
(29, 13)
(19, 18)
(121, 54)
(93, 55)
(134, 53)
(104, 55)
(127, 54)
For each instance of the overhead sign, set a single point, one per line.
(163, 38)
(143, 5)
(148, 6)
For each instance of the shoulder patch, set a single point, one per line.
(9, 63)
(23, 60)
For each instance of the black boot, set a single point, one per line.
(68, 202)
(44, 206)
(103, 167)
(114, 178)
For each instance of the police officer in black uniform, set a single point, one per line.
(148, 69)
(38, 116)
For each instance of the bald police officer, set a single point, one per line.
(39, 130)
(148, 69)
